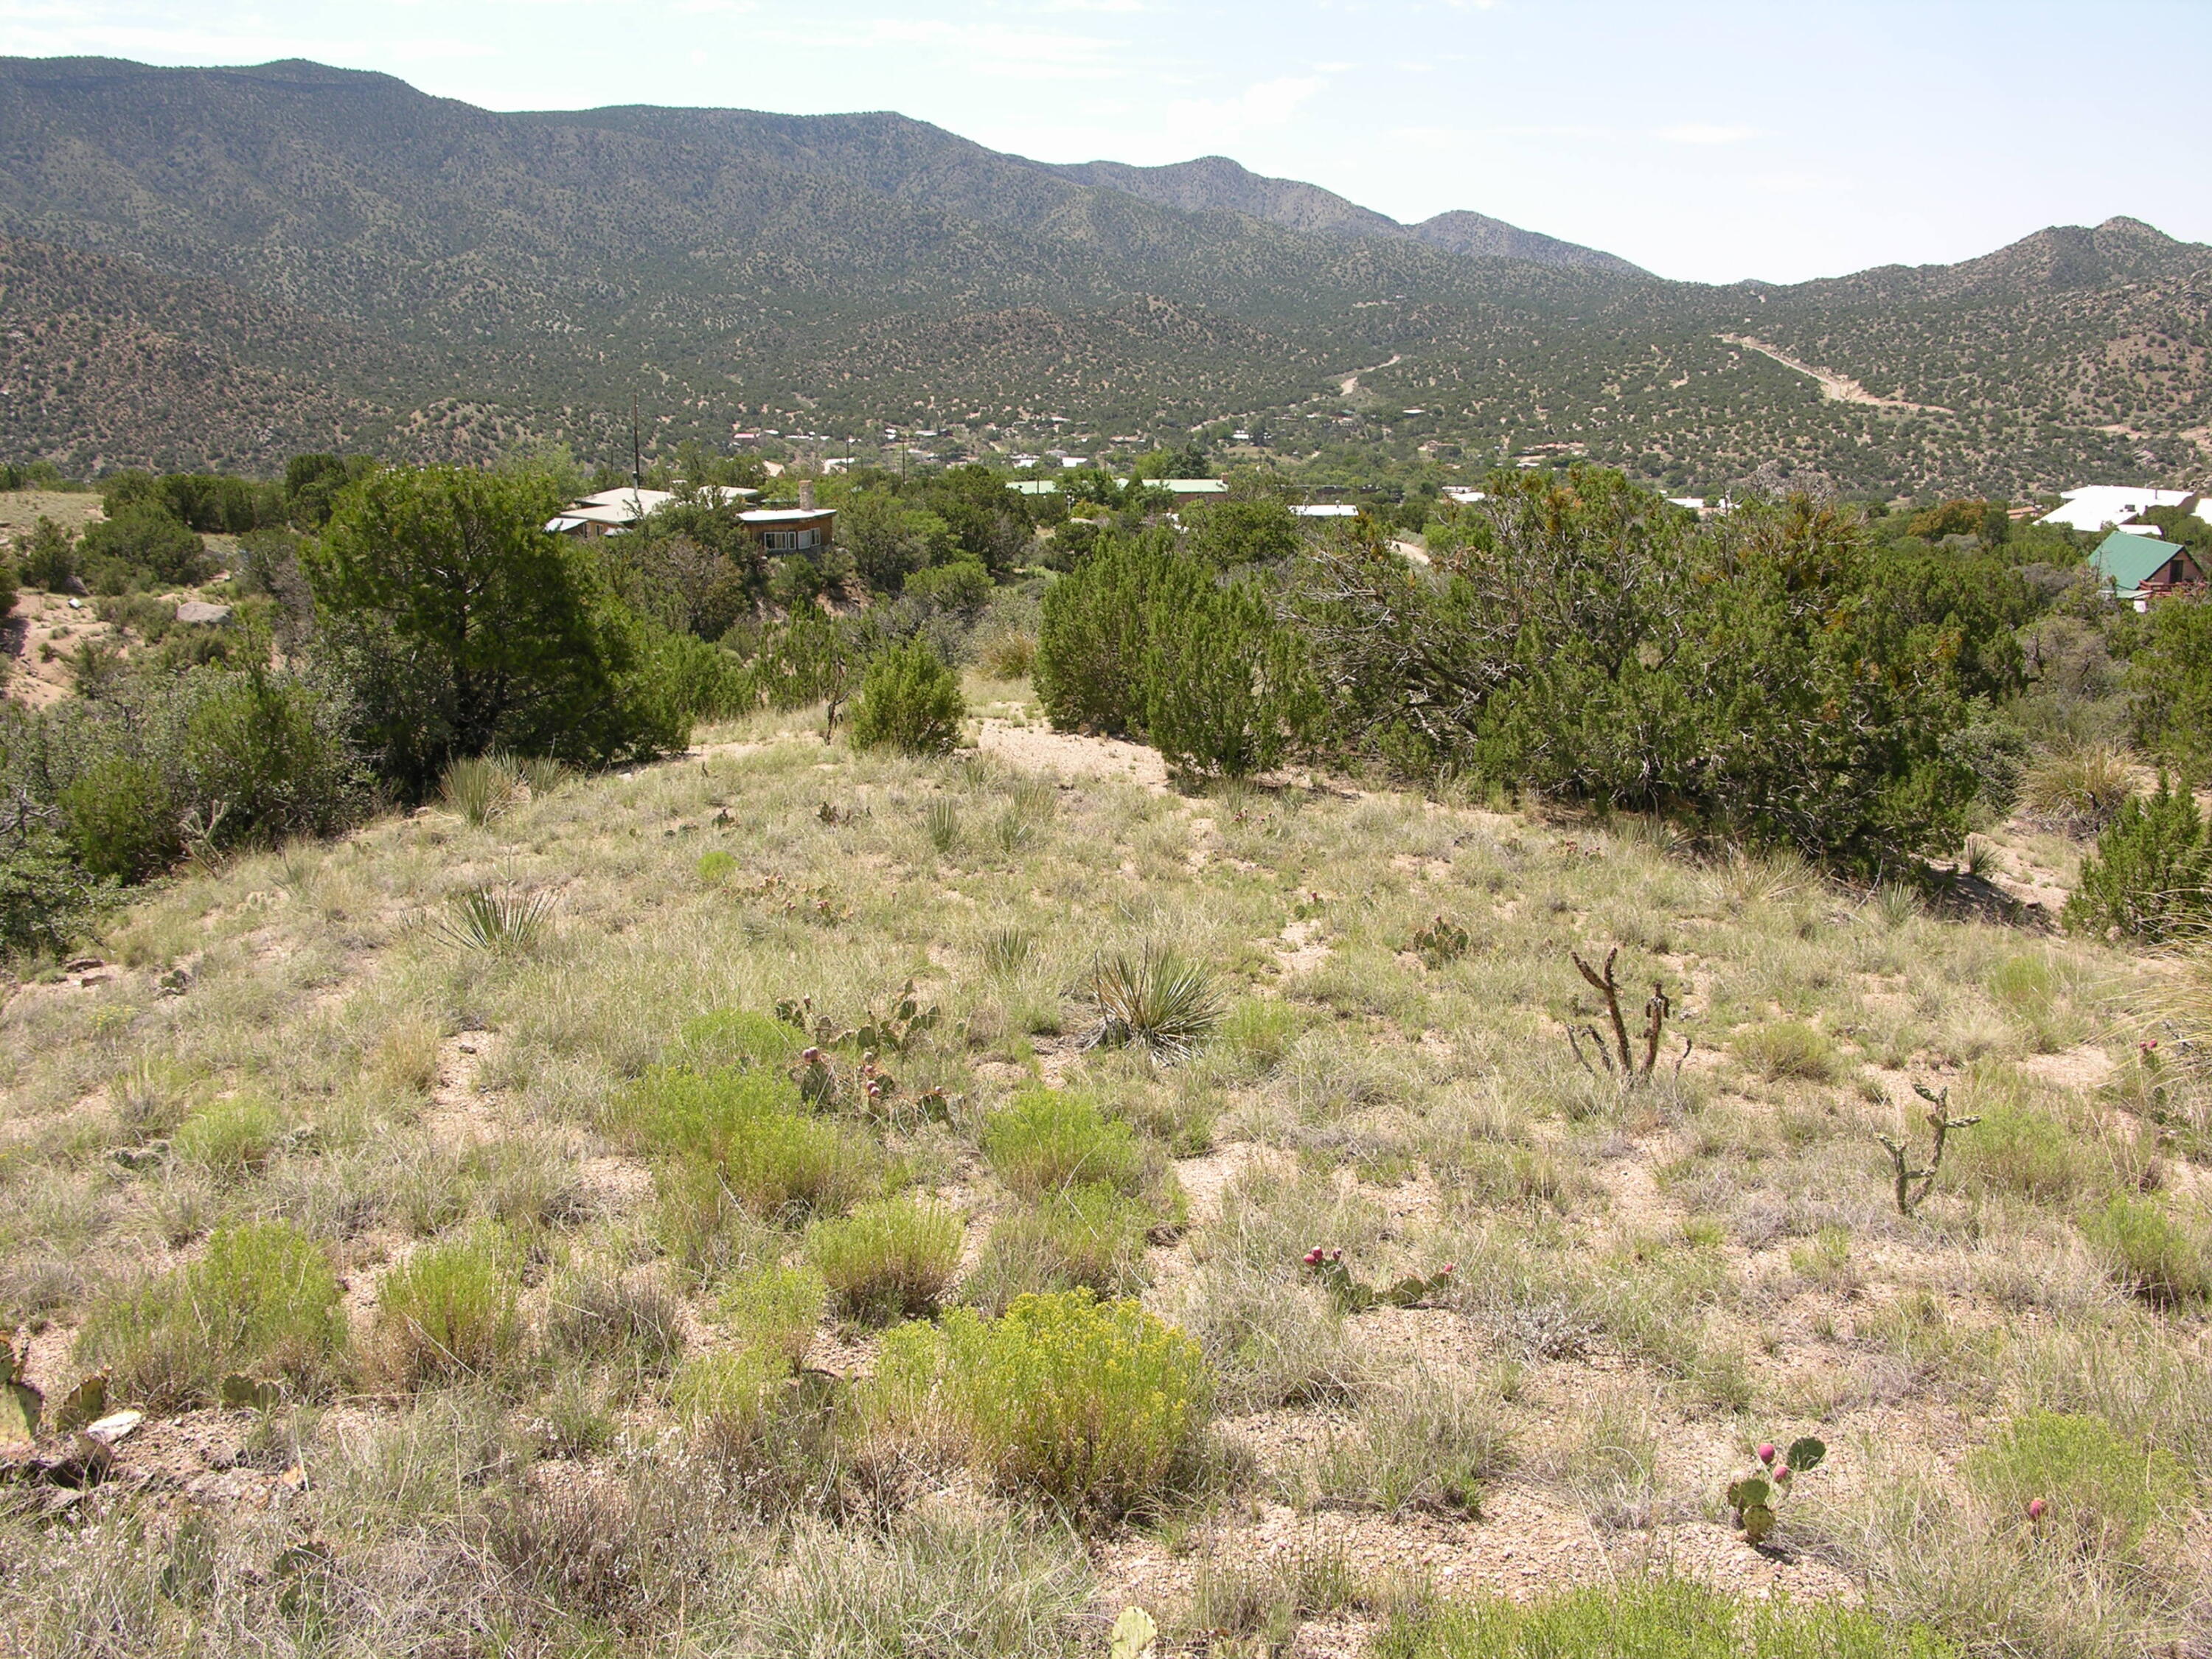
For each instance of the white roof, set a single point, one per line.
(1193, 486)
(786, 514)
(1464, 494)
(2102, 507)
(1327, 510)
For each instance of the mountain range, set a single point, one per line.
(220, 267)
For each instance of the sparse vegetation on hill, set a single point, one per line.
(543, 1285)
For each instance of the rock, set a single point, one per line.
(199, 610)
(116, 1426)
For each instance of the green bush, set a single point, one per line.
(1048, 1141)
(146, 541)
(1652, 1619)
(1098, 1405)
(888, 1260)
(772, 1157)
(775, 1310)
(459, 627)
(2104, 1492)
(2151, 875)
(2150, 1253)
(738, 1036)
(910, 702)
(1095, 631)
(120, 819)
(1226, 689)
(46, 897)
(262, 1300)
(2018, 1149)
(448, 1312)
(1771, 672)
(48, 557)
(271, 751)
(2170, 684)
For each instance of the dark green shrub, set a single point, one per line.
(271, 750)
(910, 702)
(459, 627)
(963, 586)
(121, 820)
(1226, 690)
(48, 557)
(2170, 684)
(2151, 875)
(146, 539)
(1095, 628)
(1769, 671)
(46, 897)
(262, 1300)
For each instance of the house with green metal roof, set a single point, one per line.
(2137, 569)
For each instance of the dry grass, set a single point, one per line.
(568, 1191)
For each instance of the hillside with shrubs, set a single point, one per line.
(1629, 1084)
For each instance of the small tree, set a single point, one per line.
(463, 626)
(2151, 874)
(1225, 688)
(910, 702)
(1095, 629)
(49, 557)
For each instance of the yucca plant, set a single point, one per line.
(1158, 1001)
(1007, 952)
(942, 819)
(481, 788)
(542, 774)
(485, 919)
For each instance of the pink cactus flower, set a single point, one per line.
(2148, 1044)
(1313, 1256)
(811, 1056)
(2035, 1509)
(1767, 1453)
(1444, 1271)
(1781, 1476)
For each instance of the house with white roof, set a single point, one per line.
(2109, 507)
(611, 512)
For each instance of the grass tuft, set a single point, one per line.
(889, 1260)
(502, 923)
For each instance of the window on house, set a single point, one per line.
(791, 541)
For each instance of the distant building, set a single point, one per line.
(1180, 488)
(1465, 494)
(2136, 569)
(2108, 507)
(792, 529)
(1326, 510)
(611, 512)
(1034, 487)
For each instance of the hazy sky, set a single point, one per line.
(1711, 140)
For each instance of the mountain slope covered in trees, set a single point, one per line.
(228, 265)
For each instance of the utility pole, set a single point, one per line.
(636, 450)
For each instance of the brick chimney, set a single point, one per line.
(806, 494)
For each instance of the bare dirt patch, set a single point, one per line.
(1072, 754)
